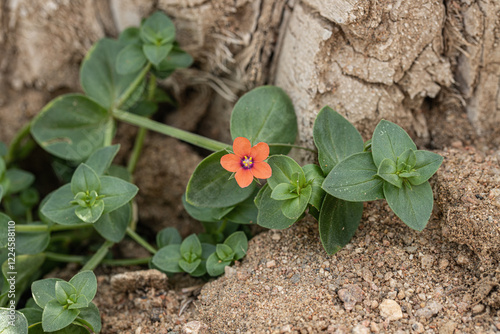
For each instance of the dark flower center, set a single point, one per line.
(247, 162)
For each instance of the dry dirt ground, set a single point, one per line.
(389, 279)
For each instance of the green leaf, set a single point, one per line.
(90, 214)
(338, 221)
(387, 171)
(3, 167)
(189, 267)
(144, 108)
(58, 207)
(239, 244)
(29, 197)
(176, 58)
(191, 248)
(56, 317)
(81, 302)
(224, 252)
(265, 114)
(156, 53)
(283, 169)
(71, 329)
(210, 186)
(98, 75)
(168, 236)
(130, 59)
(207, 250)
(314, 175)
(284, 191)
(270, 214)
(245, 212)
(427, 164)
(85, 283)
(406, 161)
(157, 29)
(12, 323)
(32, 314)
(120, 172)
(26, 267)
(3, 149)
(1, 193)
(389, 142)
(294, 208)
(116, 192)
(18, 180)
(215, 266)
(130, 36)
(355, 179)
(44, 291)
(63, 291)
(101, 159)
(167, 259)
(210, 215)
(335, 137)
(32, 242)
(4, 230)
(71, 127)
(92, 316)
(85, 180)
(113, 225)
(413, 206)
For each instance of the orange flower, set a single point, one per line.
(247, 161)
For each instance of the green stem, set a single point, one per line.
(64, 258)
(293, 146)
(222, 226)
(98, 256)
(141, 241)
(42, 228)
(136, 152)
(127, 262)
(133, 86)
(186, 136)
(16, 141)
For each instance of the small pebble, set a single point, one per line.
(351, 294)
(497, 325)
(360, 329)
(276, 236)
(271, 264)
(478, 309)
(432, 308)
(230, 271)
(286, 329)
(422, 296)
(374, 327)
(195, 327)
(462, 259)
(374, 304)
(418, 327)
(443, 263)
(427, 261)
(295, 278)
(401, 294)
(390, 310)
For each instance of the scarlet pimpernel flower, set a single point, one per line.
(247, 161)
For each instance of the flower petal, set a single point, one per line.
(259, 152)
(242, 147)
(230, 162)
(261, 170)
(244, 177)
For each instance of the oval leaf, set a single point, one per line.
(387, 170)
(101, 159)
(85, 179)
(157, 29)
(112, 226)
(18, 180)
(168, 236)
(389, 142)
(413, 206)
(215, 267)
(12, 323)
(116, 192)
(338, 222)
(427, 164)
(130, 59)
(239, 244)
(294, 208)
(210, 186)
(58, 207)
(355, 179)
(167, 259)
(270, 214)
(85, 283)
(265, 114)
(283, 170)
(335, 137)
(99, 77)
(156, 53)
(55, 316)
(71, 127)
